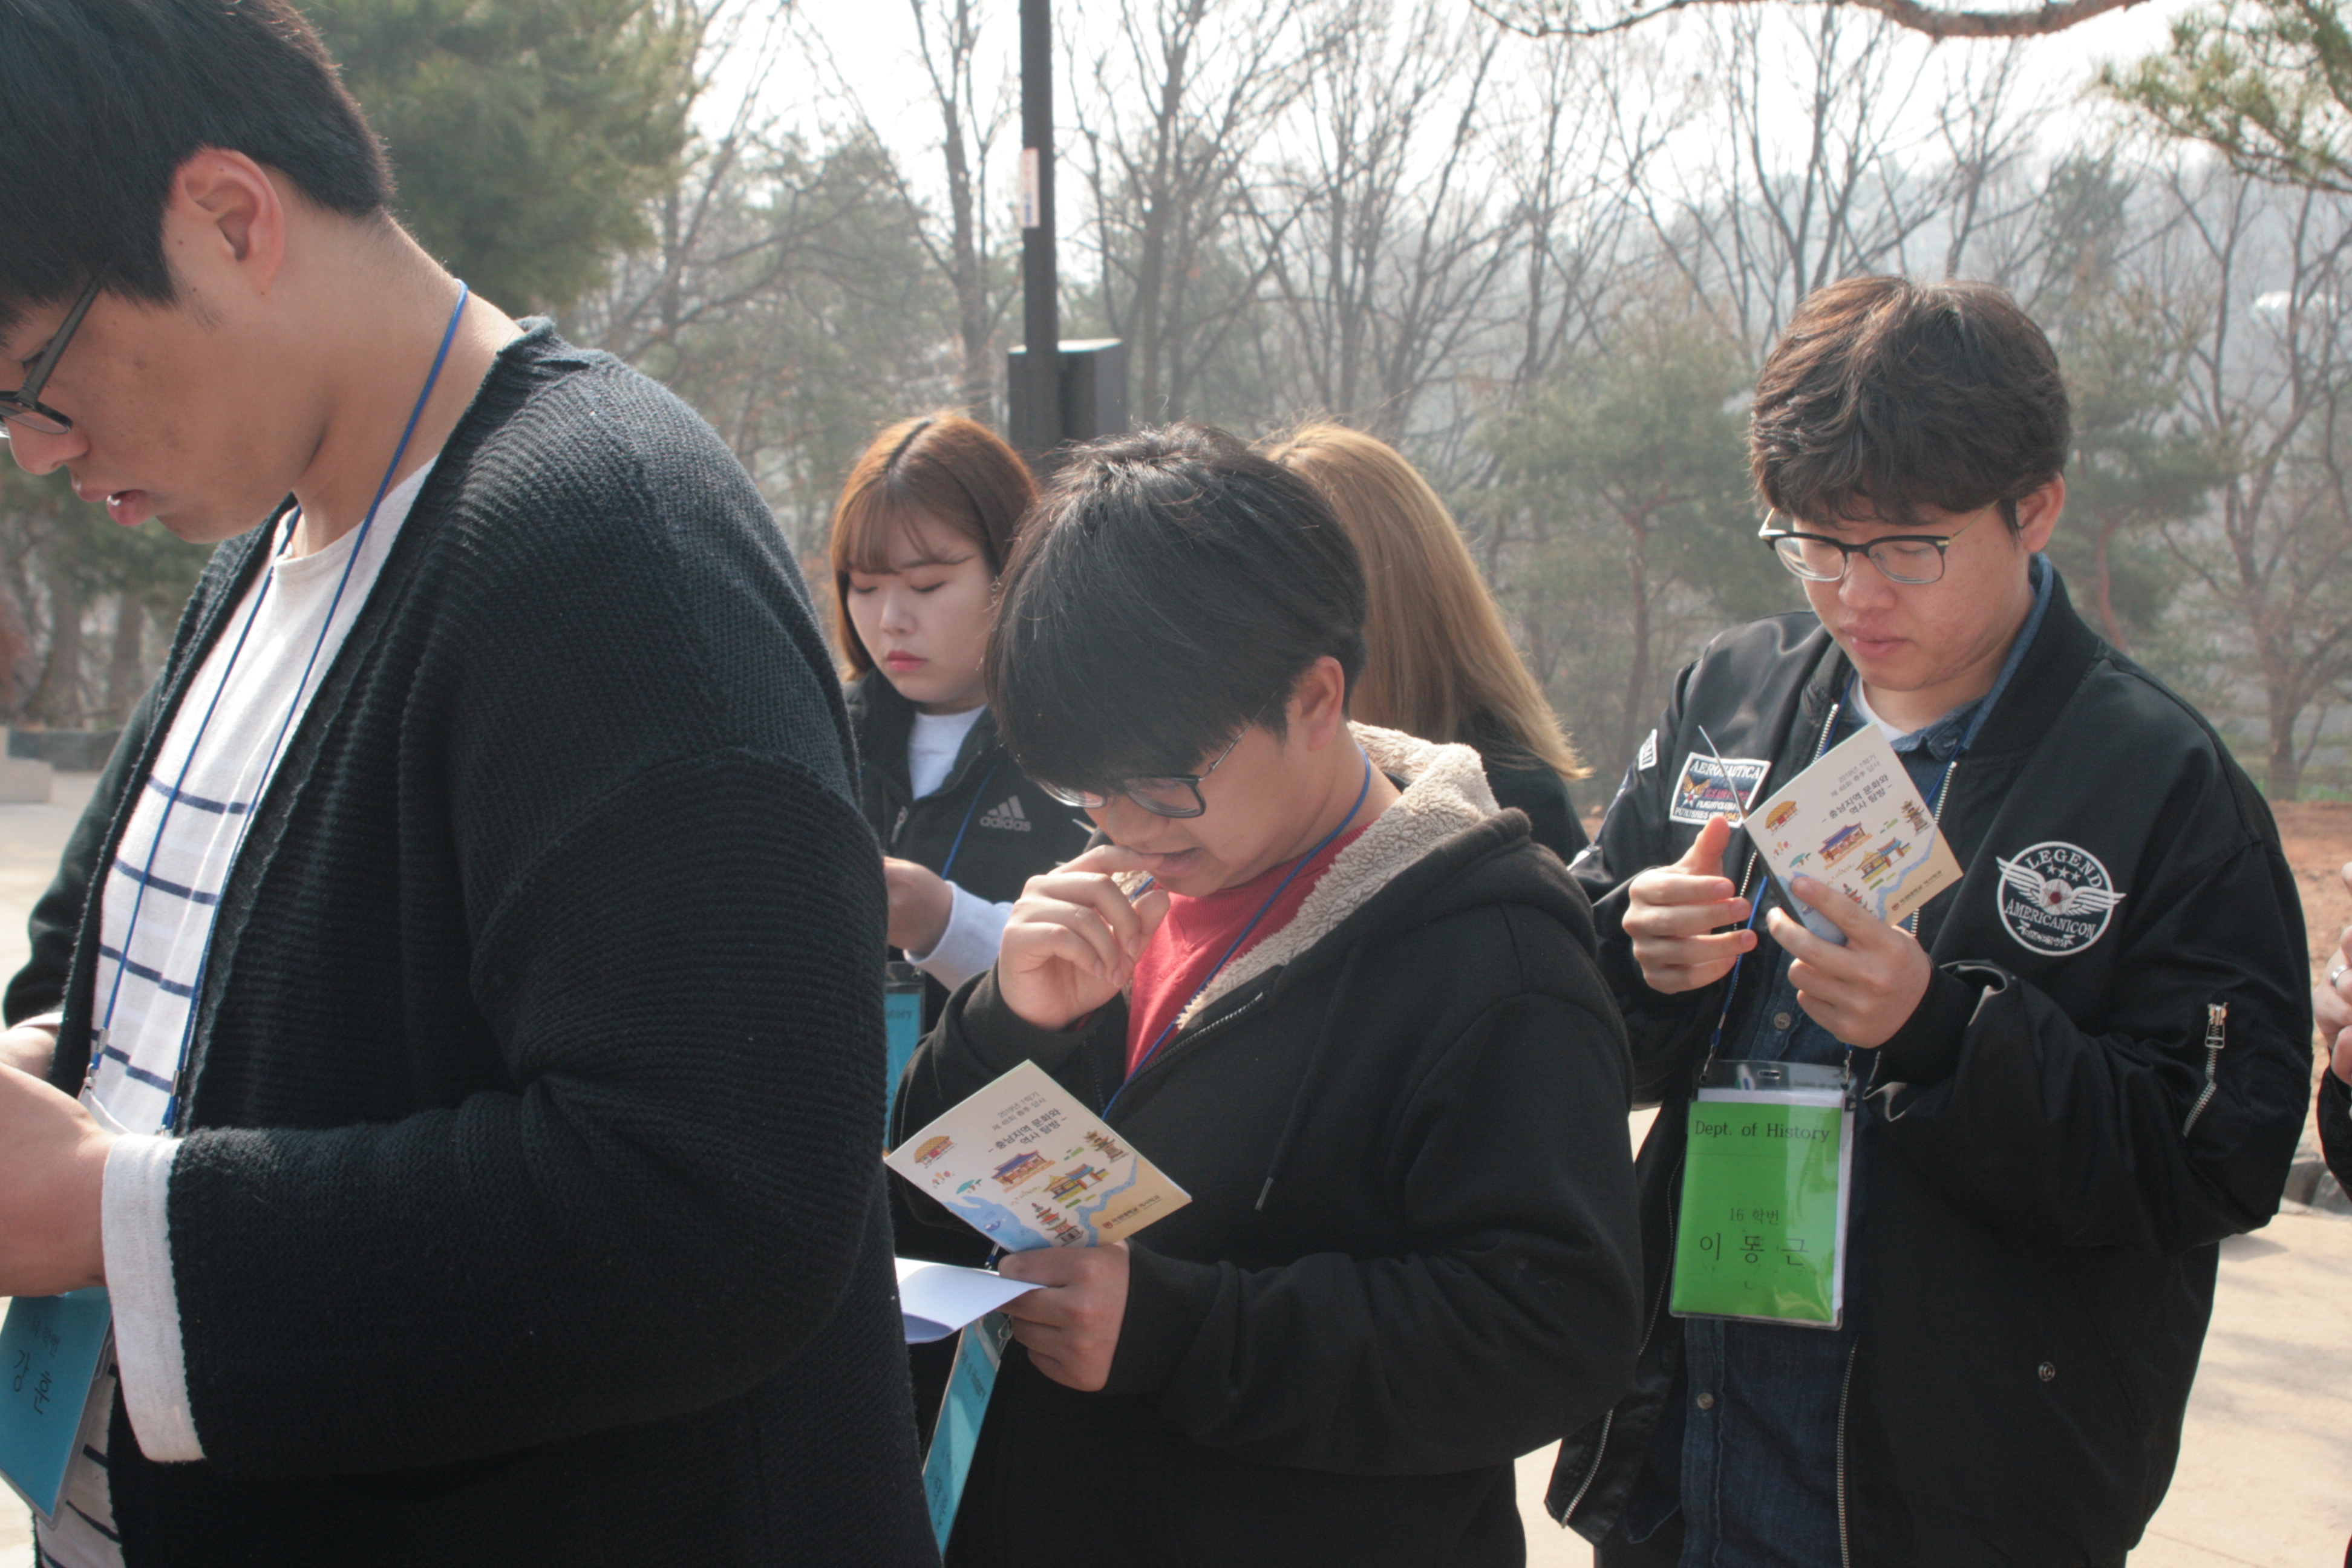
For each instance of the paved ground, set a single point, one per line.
(2266, 1476)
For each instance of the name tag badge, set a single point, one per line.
(961, 1413)
(1767, 1187)
(50, 1350)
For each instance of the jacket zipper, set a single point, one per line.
(1183, 1042)
(2217, 1026)
(1674, 1205)
(1649, 1331)
(1845, 1388)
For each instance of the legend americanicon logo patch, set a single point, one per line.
(2055, 898)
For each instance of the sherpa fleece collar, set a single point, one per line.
(1445, 791)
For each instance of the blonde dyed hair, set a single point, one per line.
(1442, 666)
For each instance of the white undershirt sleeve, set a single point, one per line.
(135, 1231)
(968, 946)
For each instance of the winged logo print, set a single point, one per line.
(2055, 894)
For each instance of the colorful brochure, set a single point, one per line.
(1854, 821)
(1027, 1166)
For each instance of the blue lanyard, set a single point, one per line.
(1298, 866)
(99, 1046)
(957, 847)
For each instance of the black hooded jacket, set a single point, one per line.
(1409, 1255)
(2054, 1152)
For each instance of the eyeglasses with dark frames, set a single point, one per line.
(23, 406)
(1913, 559)
(1170, 795)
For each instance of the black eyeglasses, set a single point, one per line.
(23, 406)
(1173, 795)
(1908, 558)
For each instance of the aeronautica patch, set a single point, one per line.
(1709, 785)
(2055, 898)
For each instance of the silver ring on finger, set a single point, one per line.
(2336, 974)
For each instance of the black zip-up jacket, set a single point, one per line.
(2055, 1152)
(1409, 1255)
(1011, 829)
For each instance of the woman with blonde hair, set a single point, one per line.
(1442, 666)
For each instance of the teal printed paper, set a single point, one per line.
(974, 1379)
(902, 1026)
(1762, 1231)
(49, 1351)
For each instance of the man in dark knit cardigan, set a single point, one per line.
(521, 1203)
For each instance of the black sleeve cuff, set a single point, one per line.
(1167, 1298)
(2335, 1127)
(1927, 1046)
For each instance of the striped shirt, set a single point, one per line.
(160, 895)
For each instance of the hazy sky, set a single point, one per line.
(872, 42)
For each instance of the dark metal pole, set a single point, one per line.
(1041, 313)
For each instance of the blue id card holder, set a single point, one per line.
(949, 1463)
(50, 1350)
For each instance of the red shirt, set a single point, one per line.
(1184, 951)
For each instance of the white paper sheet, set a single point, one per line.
(938, 1299)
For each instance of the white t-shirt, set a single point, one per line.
(932, 749)
(968, 943)
(159, 897)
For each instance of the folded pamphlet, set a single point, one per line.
(1027, 1166)
(1855, 821)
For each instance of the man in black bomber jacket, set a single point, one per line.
(2089, 1067)
(1354, 1014)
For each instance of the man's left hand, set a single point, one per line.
(1864, 992)
(1071, 1324)
(52, 1173)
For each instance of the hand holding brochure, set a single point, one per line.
(1027, 1166)
(1854, 821)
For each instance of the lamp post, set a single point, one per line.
(1037, 424)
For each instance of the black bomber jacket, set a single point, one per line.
(2055, 1151)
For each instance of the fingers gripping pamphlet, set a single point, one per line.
(1855, 821)
(1027, 1166)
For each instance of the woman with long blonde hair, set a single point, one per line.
(1442, 666)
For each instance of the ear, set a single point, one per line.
(1319, 704)
(2037, 514)
(225, 224)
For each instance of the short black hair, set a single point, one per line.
(1171, 589)
(1884, 393)
(102, 100)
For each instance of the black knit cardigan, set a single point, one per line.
(531, 1210)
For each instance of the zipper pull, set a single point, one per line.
(899, 826)
(2217, 1021)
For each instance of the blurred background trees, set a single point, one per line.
(1546, 265)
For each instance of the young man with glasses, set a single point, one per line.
(2088, 1065)
(452, 1037)
(1318, 977)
